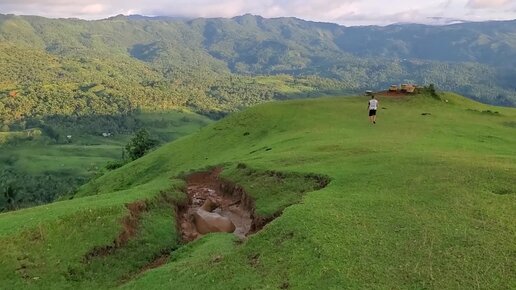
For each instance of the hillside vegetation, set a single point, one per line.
(64, 77)
(65, 69)
(37, 168)
(423, 199)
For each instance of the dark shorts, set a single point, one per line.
(372, 112)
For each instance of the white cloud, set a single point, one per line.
(348, 12)
(93, 9)
(480, 4)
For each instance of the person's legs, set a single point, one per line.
(374, 119)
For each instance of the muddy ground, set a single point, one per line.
(233, 205)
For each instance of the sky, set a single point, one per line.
(345, 12)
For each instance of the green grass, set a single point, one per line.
(414, 202)
(273, 191)
(88, 153)
(62, 233)
(32, 134)
(60, 168)
(169, 126)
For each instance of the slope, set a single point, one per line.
(417, 201)
(39, 169)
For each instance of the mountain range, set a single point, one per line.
(72, 67)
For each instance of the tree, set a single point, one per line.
(10, 196)
(433, 92)
(140, 144)
(431, 89)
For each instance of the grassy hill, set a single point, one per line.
(416, 201)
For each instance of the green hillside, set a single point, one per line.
(417, 201)
(63, 77)
(69, 68)
(39, 169)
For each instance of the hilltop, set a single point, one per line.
(423, 199)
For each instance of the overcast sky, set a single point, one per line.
(347, 12)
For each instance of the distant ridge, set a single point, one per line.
(477, 59)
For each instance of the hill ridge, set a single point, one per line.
(475, 59)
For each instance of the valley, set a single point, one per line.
(40, 170)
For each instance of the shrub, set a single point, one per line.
(112, 165)
(140, 144)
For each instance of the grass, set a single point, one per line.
(414, 202)
(89, 153)
(273, 191)
(6, 137)
(69, 165)
(62, 233)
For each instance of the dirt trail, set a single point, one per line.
(207, 185)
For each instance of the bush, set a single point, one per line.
(140, 144)
(112, 165)
(432, 91)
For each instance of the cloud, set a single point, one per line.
(93, 9)
(315, 10)
(347, 12)
(482, 4)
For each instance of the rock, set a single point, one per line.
(207, 221)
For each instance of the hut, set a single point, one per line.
(408, 88)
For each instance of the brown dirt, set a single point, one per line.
(232, 202)
(129, 228)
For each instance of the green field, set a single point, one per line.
(415, 202)
(41, 169)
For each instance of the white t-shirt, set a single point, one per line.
(373, 104)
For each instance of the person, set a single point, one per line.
(372, 106)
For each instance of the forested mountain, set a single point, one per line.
(67, 68)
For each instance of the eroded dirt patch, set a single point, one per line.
(229, 202)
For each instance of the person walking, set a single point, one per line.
(372, 107)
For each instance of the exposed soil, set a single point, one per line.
(231, 202)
